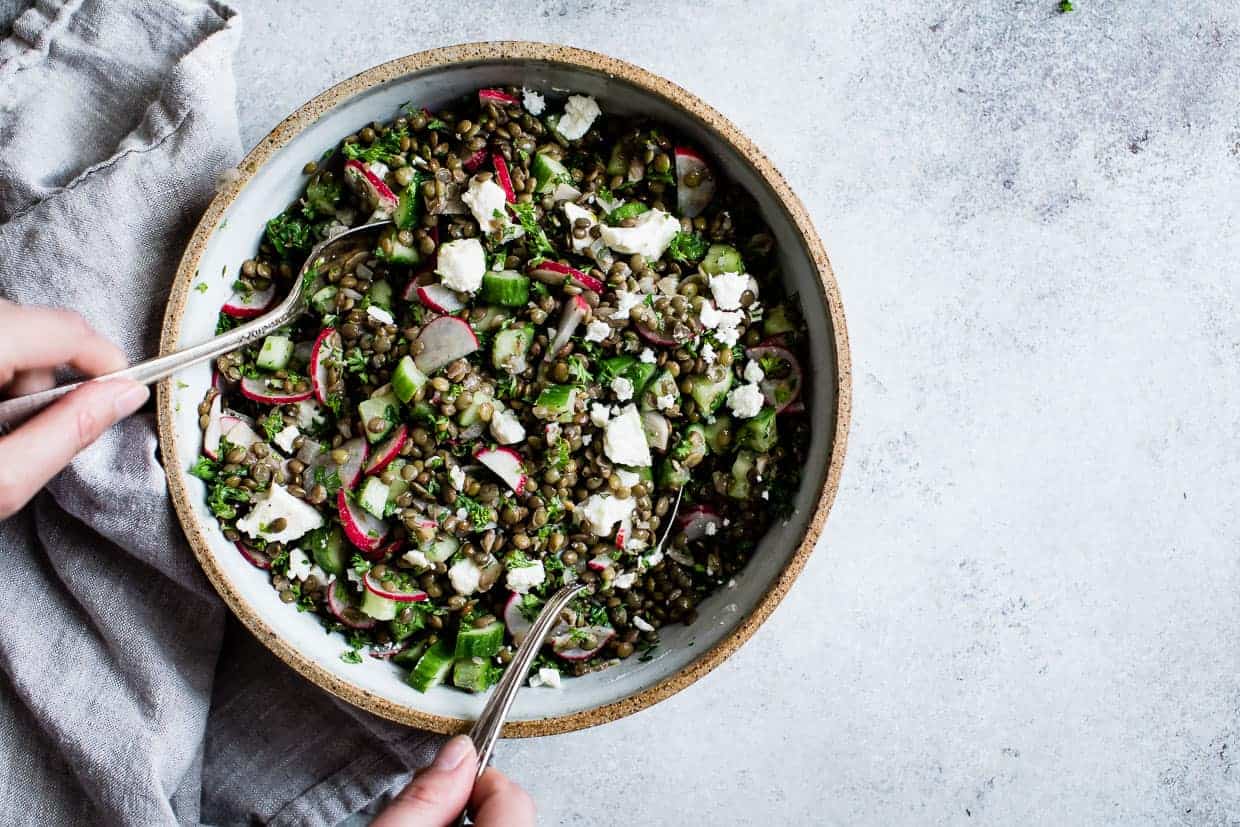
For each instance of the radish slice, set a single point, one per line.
(267, 392)
(474, 161)
(505, 463)
(502, 177)
(567, 645)
(351, 470)
(364, 181)
(338, 603)
(235, 429)
(363, 529)
(439, 298)
(251, 304)
(623, 532)
(654, 336)
(256, 558)
(575, 311)
(658, 430)
(211, 433)
(782, 385)
(497, 97)
(600, 563)
(691, 201)
(555, 273)
(444, 340)
(374, 586)
(387, 450)
(518, 625)
(319, 462)
(694, 521)
(326, 349)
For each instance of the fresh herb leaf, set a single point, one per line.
(535, 239)
(630, 210)
(288, 234)
(385, 146)
(359, 564)
(225, 323)
(272, 424)
(202, 287)
(477, 513)
(687, 247)
(437, 124)
(1066, 6)
(351, 656)
(205, 468)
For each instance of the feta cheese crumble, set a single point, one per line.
(625, 302)
(648, 237)
(299, 516)
(599, 414)
(298, 564)
(622, 388)
(601, 512)
(727, 289)
(624, 440)
(641, 624)
(416, 558)
(521, 580)
(506, 428)
(285, 438)
(579, 113)
(546, 676)
(573, 212)
(457, 476)
(533, 101)
(461, 264)
(753, 372)
(745, 400)
(628, 478)
(625, 580)
(707, 353)
(464, 576)
(597, 330)
(725, 323)
(488, 202)
(380, 315)
(647, 356)
(667, 400)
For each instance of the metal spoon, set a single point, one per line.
(15, 411)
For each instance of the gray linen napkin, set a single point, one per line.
(126, 694)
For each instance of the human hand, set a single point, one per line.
(437, 794)
(36, 340)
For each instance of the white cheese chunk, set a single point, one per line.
(461, 264)
(625, 302)
(641, 624)
(417, 558)
(599, 414)
(601, 512)
(506, 428)
(573, 212)
(298, 564)
(647, 356)
(625, 580)
(627, 477)
(457, 476)
(549, 677)
(380, 315)
(725, 323)
(624, 440)
(745, 400)
(299, 516)
(285, 438)
(707, 353)
(753, 372)
(648, 237)
(488, 202)
(597, 330)
(464, 576)
(309, 414)
(727, 289)
(524, 578)
(579, 113)
(622, 388)
(533, 101)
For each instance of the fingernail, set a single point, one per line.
(130, 400)
(453, 753)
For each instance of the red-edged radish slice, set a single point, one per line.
(694, 522)
(496, 96)
(444, 340)
(576, 309)
(365, 182)
(502, 177)
(654, 337)
(474, 161)
(439, 298)
(236, 429)
(351, 470)
(269, 392)
(338, 603)
(387, 450)
(623, 532)
(326, 349)
(247, 305)
(691, 201)
(505, 463)
(782, 385)
(599, 563)
(211, 434)
(556, 273)
(254, 557)
(362, 528)
(374, 586)
(517, 625)
(570, 645)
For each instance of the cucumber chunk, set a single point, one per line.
(275, 353)
(409, 204)
(556, 402)
(380, 294)
(407, 657)
(383, 407)
(758, 434)
(710, 389)
(374, 496)
(470, 414)
(432, 667)
(638, 373)
(506, 287)
(474, 674)
(510, 347)
(673, 474)
(722, 258)
(738, 484)
(390, 249)
(719, 434)
(327, 548)
(407, 380)
(480, 643)
(441, 549)
(779, 319)
(324, 300)
(380, 608)
(663, 385)
(322, 196)
(548, 173)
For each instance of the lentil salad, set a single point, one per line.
(573, 317)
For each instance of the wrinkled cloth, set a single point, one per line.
(127, 695)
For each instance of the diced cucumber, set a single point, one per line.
(480, 643)
(398, 485)
(401, 630)
(690, 447)
(630, 209)
(324, 300)
(469, 415)
(710, 389)
(738, 484)
(663, 385)
(432, 667)
(638, 373)
(778, 319)
(390, 249)
(673, 474)
(275, 353)
(374, 496)
(474, 674)
(409, 204)
(441, 549)
(548, 172)
(322, 196)
(506, 287)
(407, 657)
(758, 434)
(696, 432)
(380, 294)
(722, 258)
(618, 163)
(380, 608)
(490, 319)
(557, 401)
(719, 434)
(510, 346)
(382, 406)
(327, 548)
(407, 380)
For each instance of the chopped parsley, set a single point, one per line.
(205, 468)
(288, 234)
(351, 656)
(630, 210)
(384, 146)
(222, 500)
(359, 564)
(225, 323)
(535, 239)
(477, 513)
(202, 287)
(517, 560)
(272, 424)
(1065, 6)
(688, 247)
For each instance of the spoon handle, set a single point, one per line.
(14, 412)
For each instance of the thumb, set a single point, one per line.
(437, 794)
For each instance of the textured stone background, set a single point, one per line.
(1026, 603)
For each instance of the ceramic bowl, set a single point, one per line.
(270, 177)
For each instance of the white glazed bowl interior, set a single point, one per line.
(279, 181)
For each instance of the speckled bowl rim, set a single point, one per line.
(473, 53)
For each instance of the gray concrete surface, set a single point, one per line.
(1026, 604)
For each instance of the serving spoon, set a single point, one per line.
(14, 412)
